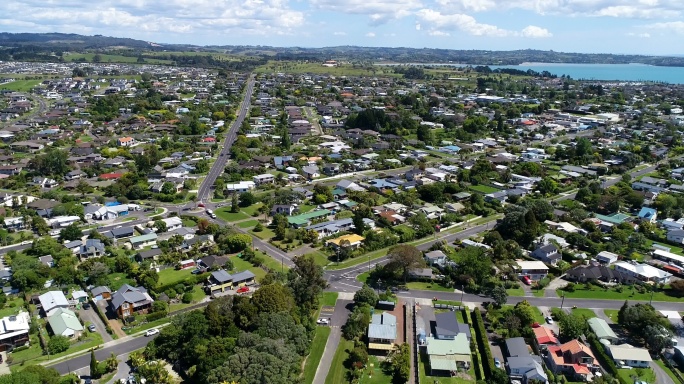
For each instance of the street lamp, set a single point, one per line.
(562, 300)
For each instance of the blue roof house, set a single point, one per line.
(648, 214)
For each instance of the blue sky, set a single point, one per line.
(612, 26)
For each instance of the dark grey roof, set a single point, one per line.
(517, 347)
(128, 294)
(123, 231)
(150, 253)
(221, 276)
(213, 260)
(73, 244)
(448, 326)
(100, 290)
(242, 276)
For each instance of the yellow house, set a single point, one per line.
(354, 241)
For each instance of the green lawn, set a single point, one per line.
(105, 58)
(667, 370)
(483, 189)
(21, 85)
(374, 373)
(363, 277)
(612, 314)
(328, 299)
(197, 296)
(85, 139)
(172, 275)
(518, 291)
(240, 265)
(116, 280)
(643, 374)
(306, 208)
(317, 349)
(13, 306)
(338, 372)
(252, 209)
(266, 234)
(587, 313)
(187, 222)
(423, 286)
(248, 224)
(146, 326)
(31, 357)
(627, 293)
(320, 258)
(225, 214)
(273, 264)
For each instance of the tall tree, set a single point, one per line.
(306, 281)
(404, 258)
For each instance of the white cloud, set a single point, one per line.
(459, 21)
(644, 35)
(641, 9)
(151, 18)
(417, 26)
(438, 33)
(370, 34)
(379, 11)
(671, 27)
(340, 33)
(535, 32)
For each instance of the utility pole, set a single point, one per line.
(562, 300)
(462, 288)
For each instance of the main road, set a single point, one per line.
(220, 163)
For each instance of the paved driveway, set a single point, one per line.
(337, 319)
(89, 316)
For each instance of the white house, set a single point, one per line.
(675, 236)
(630, 356)
(535, 270)
(172, 223)
(265, 178)
(241, 187)
(607, 258)
(643, 272)
(53, 300)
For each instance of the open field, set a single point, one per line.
(21, 85)
(341, 70)
(104, 58)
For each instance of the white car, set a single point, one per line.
(323, 321)
(151, 332)
(549, 319)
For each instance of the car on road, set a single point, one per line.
(323, 321)
(86, 306)
(196, 271)
(497, 362)
(92, 328)
(151, 332)
(201, 205)
(243, 290)
(549, 320)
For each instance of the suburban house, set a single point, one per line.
(64, 322)
(265, 178)
(648, 214)
(602, 330)
(150, 254)
(91, 248)
(212, 261)
(14, 331)
(543, 335)
(626, 355)
(220, 281)
(51, 301)
(448, 355)
(285, 209)
(607, 258)
(675, 236)
(534, 270)
(240, 187)
(101, 293)
(584, 273)
(547, 253)
(47, 260)
(382, 332)
(129, 300)
(119, 233)
(521, 364)
(448, 327)
(304, 219)
(142, 241)
(352, 241)
(126, 141)
(436, 258)
(572, 358)
(172, 223)
(643, 272)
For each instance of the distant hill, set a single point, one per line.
(46, 47)
(68, 40)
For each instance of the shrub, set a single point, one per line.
(156, 316)
(58, 344)
(482, 341)
(187, 298)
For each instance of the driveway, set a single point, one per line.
(122, 370)
(661, 376)
(546, 311)
(337, 319)
(89, 316)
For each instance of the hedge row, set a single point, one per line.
(477, 358)
(606, 361)
(156, 316)
(483, 343)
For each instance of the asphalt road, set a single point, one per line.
(220, 163)
(124, 346)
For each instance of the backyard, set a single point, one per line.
(169, 276)
(483, 189)
(584, 291)
(460, 378)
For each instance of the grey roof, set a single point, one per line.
(127, 294)
(221, 276)
(383, 326)
(149, 253)
(242, 276)
(516, 347)
(448, 326)
(123, 231)
(529, 366)
(73, 244)
(213, 260)
(92, 243)
(435, 254)
(100, 290)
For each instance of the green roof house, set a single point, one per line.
(448, 355)
(65, 323)
(602, 330)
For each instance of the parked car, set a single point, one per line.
(86, 306)
(535, 325)
(196, 271)
(151, 332)
(323, 321)
(549, 319)
(243, 290)
(92, 328)
(497, 362)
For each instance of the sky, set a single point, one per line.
(653, 27)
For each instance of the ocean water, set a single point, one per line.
(619, 72)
